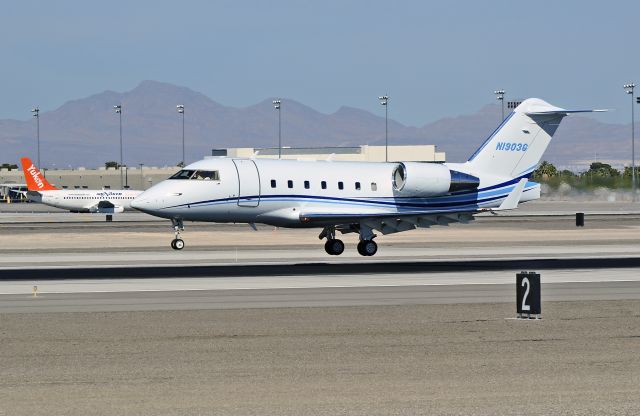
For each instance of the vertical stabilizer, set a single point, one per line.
(517, 145)
(35, 180)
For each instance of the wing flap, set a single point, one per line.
(389, 223)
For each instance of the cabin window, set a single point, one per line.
(273, 183)
(306, 185)
(290, 184)
(357, 186)
(323, 184)
(374, 186)
(340, 185)
(107, 187)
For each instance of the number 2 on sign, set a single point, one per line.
(525, 306)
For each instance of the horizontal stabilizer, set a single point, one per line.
(546, 109)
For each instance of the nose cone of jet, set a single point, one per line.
(142, 203)
(136, 202)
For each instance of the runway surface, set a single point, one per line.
(364, 360)
(32, 245)
(245, 322)
(309, 290)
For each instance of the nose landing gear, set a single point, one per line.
(177, 243)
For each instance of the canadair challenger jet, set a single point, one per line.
(75, 200)
(362, 197)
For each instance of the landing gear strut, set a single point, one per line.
(333, 246)
(177, 243)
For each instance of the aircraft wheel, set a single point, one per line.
(334, 247)
(177, 244)
(367, 247)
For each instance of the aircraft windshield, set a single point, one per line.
(199, 175)
(183, 174)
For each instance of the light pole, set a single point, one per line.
(118, 109)
(628, 88)
(36, 114)
(500, 96)
(141, 177)
(276, 105)
(384, 100)
(180, 109)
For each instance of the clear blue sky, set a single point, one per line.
(435, 59)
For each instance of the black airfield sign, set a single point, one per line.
(528, 294)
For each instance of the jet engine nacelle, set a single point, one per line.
(430, 179)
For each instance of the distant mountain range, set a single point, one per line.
(84, 132)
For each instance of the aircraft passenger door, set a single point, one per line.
(248, 183)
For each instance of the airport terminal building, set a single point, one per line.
(143, 177)
(366, 153)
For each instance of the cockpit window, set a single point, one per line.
(200, 175)
(183, 174)
(206, 175)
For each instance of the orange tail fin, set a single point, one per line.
(34, 178)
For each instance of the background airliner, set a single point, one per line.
(75, 200)
(362, 197)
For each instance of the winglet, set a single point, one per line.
(34, 178)
(512, 200)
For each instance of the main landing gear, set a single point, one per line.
(333, 246)
(177, 243)
(367, 247)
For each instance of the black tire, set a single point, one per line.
(369, 247)
(173, 244)
(327, 247)
(338, 247)
(179, 244)
(334, 247)
(361, 249)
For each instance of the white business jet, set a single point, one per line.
(362, 197)
(103, 201)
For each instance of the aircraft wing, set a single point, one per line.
(393, 222)
(387, 223)
(17, 191)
